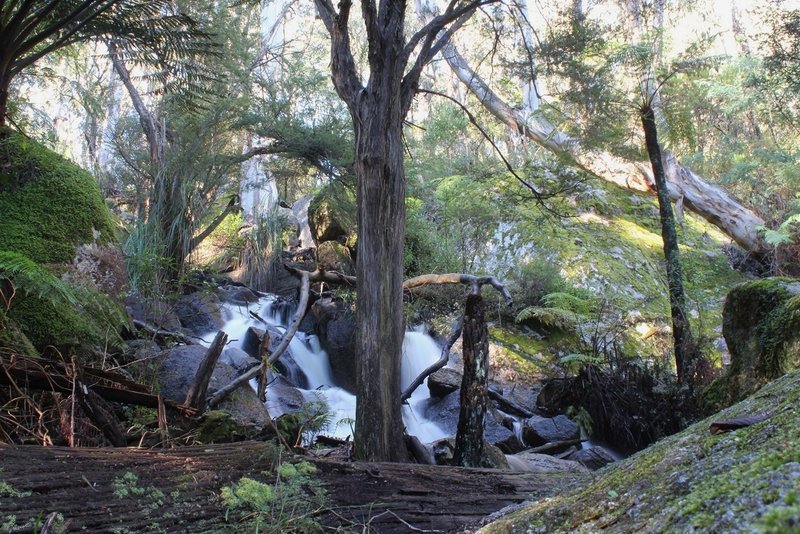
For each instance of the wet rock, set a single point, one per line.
(539, 430)
(444, 449)
(335, 327)
(286, 365)
(199, 313)
(283, 398)
(176, 373)
(445, 414)
(444, 381)
(219, 426)
(238, 359)
(238, 295)
(543, 463)
(593, 457)
(155, 313)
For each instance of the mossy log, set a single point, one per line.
(178, 490)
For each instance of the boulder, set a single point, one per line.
(286, 365)
(538, 430)
(176, 373)
(200, 313)
(219, 426)
(543, 463)
(333, 256)
(335, 327)
(444, 381)
(594, 457)
(283, 398)
(761, 325)
(445, 414)
(238, 359)
(332, 214)
(238, 295)
(155, 313)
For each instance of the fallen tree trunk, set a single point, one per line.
(178, 490)
(707, 200)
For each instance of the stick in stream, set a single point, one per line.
(197, 392)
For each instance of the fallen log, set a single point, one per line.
(87, 487)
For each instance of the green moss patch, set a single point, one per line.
(744, 481)
(49, 205)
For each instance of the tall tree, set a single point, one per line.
(378, 109)
(32, 29)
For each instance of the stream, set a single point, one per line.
(312, 375)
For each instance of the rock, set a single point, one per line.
(238, 359)
(283, 398)
(218, 426)
(333, 256)
(176, 374)
(445, 414)
(761, 325)
(238, 295)
(443, 451)
(444, 381)
(286, 365)
(539, 430)
(594, 457)
(543, 463)
(332, 214)
(493, 457)
(155, 313)
(199, 313)
(336, 331)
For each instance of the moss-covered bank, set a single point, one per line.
(761, 325)
(747, 480)
(49, 208)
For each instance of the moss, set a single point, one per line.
(742, 481)
(761, 324)
(521, 355)
(332, 214)
(49, 204)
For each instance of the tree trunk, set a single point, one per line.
(379, 269)
(681, 333)
(469, 436)
(3, 100)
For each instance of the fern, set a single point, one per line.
(551, 317)
(33, 279)
(568, 301)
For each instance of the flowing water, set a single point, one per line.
(318, 384)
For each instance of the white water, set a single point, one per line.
(419, 352)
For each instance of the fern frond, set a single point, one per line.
(568, 301)
(550, 317)
(33, 279)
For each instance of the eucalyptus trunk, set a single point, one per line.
(379, 270)
(681, 332)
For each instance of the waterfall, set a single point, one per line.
(419, 352)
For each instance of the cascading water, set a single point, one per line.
(419, 352)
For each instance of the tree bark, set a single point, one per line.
(469, 447)
(3, 101)
(681, 333)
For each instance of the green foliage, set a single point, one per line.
(288, 505)
(558, 318)
(49, 205)
(532, 280)
(261, 250)
(50, 311)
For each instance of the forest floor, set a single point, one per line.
(178, 490)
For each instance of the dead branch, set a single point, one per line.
(441, 362)
(197, 392)
(158, 332)
(474, 282)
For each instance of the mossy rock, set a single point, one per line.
(694, 481)
(332, 215)
(50, 208)
(333, 256)
(49, 204)
(761, 325)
